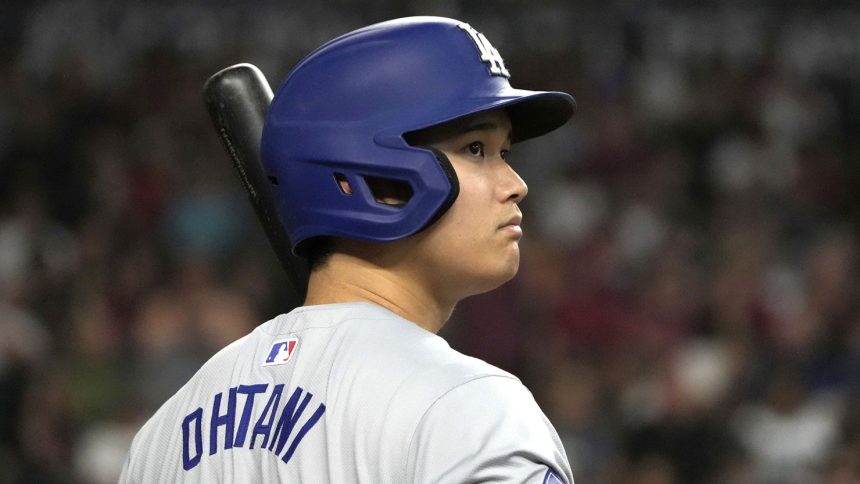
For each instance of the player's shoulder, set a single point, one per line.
(501, 432)
(375, 336)
(370, 335)
(374, 355)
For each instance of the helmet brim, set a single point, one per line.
(538, 113)
(532, 113)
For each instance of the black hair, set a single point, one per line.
(317, 251)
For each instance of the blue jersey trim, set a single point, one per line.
(552, 478)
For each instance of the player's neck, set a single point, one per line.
(346, 278)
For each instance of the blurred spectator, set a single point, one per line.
(791, 433)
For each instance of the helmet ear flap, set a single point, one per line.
(448, 168)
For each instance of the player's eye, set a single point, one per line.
(476, 148)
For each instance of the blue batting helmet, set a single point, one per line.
(343, 111)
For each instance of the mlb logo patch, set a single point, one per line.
(281, 351)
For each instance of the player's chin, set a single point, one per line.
(494, 273)
(492, 267)
(514, 265)
(507, 265)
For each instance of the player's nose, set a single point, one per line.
(512, 187)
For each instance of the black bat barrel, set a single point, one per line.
(238, 98)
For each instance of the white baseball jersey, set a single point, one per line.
(347, 393)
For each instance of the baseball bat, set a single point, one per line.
(237, 99)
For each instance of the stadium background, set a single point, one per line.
(687, 305)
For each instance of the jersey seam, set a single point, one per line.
(333, 323)
(327, 326)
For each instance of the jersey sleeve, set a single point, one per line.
(487, 430)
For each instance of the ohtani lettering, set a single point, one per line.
(273, 434)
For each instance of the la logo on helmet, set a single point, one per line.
(489, 54)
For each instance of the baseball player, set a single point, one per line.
(387, 151)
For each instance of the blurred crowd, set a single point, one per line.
(686, 309)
